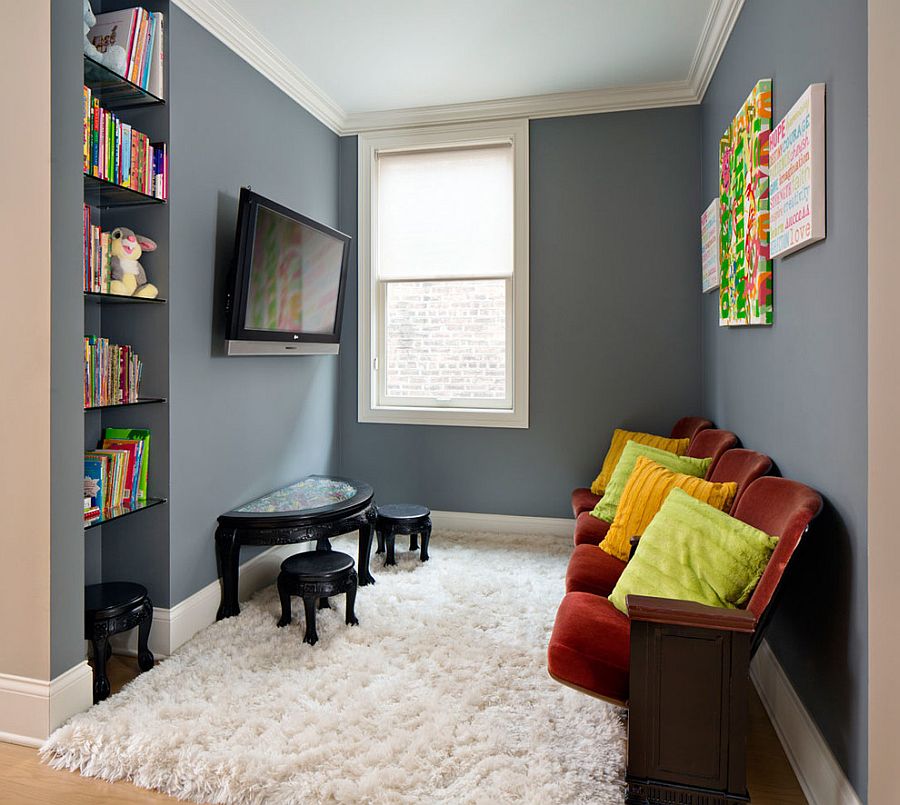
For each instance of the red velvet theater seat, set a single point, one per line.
(590, 647)
(592, 570)
(590, 530)
(590, 644)
(689, 426)
(595, 571)
(741, 466)
(583, 500)
(711, 443)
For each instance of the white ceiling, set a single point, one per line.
(398, 54)
(351, 59)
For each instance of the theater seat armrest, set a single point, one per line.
(689, 613)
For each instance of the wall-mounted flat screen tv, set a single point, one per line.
(286, 291)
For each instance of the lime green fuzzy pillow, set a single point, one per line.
(693, 552)
(606, 507)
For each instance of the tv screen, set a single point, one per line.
(288, 280)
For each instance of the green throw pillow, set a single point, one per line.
(693, 552)
(606, 507)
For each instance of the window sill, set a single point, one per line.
(456, 417)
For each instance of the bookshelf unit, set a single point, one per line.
(131, 543)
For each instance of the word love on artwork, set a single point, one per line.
(797, 180)
(745, 277)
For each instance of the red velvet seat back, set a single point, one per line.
(689, 426)
(711, 443)
(741, 466)
(782, 508)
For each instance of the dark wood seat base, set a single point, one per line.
(109, 609)
(655, 792)
(402, 518)
(315, 576)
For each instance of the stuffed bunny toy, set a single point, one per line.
(113, 56)
(128, 277)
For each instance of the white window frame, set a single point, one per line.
(514, 413)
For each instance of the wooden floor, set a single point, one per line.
(24, 780)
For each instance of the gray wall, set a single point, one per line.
(239, 426)
(66, 540)
(797, 390)
(613, 317)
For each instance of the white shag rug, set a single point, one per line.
(440, 695)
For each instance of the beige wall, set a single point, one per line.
(884, 400)
(25, 357)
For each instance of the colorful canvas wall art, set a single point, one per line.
(797, 160)
(709, 246)
(745, 277)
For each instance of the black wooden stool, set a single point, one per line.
(314, 576)
(109, 609)
(402, 518)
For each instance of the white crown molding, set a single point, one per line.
(238, 34)
(720, 21)
(558, 104)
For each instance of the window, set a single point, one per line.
(443, 276)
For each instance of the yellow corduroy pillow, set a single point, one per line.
(619, 439)
(644, 494)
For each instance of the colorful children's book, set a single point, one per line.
(132, 466)
(142, 434)
(114, 28)
(114, 492)
(155, 83)
(95, 478)
(135, 448)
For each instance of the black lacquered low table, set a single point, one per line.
(315, 508)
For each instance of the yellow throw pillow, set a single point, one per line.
(619, 439)
(644, 494)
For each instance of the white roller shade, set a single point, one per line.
(445, 214)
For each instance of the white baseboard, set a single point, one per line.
(503, 523)
(174, 627)
(30, 709)
(820, 775)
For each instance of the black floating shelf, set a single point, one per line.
(122, 511)
(100, 193)
(115, 299)
(141, 401)
(115, 91)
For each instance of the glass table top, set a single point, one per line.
(310, 493)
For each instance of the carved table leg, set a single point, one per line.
(426, 538)
(228, 551)
(145, 656)
(100, 642)
(380, 535)
(350, 615)
(284, 595)
(309, 605)
(323, 544)
(365, 548)
(414, 541)
(389, 540)
(323, 602)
